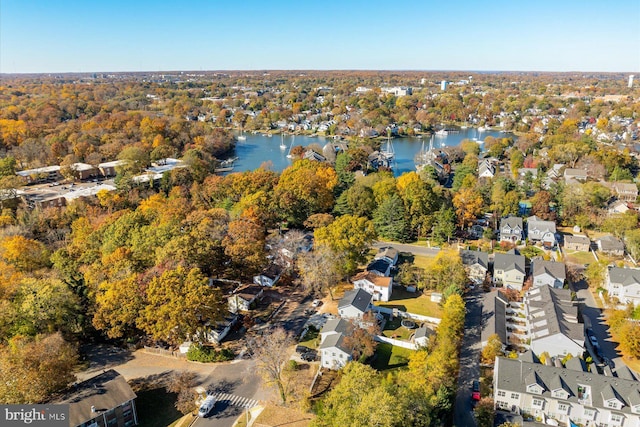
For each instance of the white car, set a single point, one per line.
(206, 406)
(316, 303)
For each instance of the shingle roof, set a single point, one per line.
(624, 276)
(509, 262)
(512, 222)
(577, 240)
(357, 298)
(515, 374)
(105, 391)
(551, 311)
(475, 257)
(337, 325)
(610, 243)
(334, 340)
(494, 311)
(554, 269)
(379, 264)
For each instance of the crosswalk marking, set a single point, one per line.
(235, 400)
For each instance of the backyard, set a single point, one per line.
(394, 329)
(413, 302)
(390, 357)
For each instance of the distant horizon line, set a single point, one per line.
(267, 70)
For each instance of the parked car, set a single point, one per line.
(301, 349)
(206, 406)
(475, 390)
(316, 303)
(309, 356)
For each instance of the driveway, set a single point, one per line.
(594, 316)
(469, 360)
(413, 249)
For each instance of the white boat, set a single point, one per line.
(283, 146)
(241, 137)
(388, 151)
(482, 129)
(289, 155)
(442, 132)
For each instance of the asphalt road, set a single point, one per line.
(238, 378)
(413, 249)
(469, 360)
(594, 316)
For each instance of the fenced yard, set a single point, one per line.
(390, 357)
(413, 302)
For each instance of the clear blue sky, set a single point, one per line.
(134, 35)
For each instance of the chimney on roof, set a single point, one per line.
(93, 409)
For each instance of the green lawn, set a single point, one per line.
(390, 357)
(422, 261)
(394, 329)
(417, 303)
(579, 257)
(311, 339)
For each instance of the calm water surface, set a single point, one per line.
(259, 149)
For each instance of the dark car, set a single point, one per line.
(475, 390)
(301, 349)
(309, 356)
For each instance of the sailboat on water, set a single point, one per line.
(241, 137)
(283, 146)
(289, 155)
(388, 150)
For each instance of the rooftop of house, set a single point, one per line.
(357, 298)
(335, 325)
(248, 292)
(551, 311)
(555, 269)
(624, 276)
(379, 264)
(511, 222)
(573, 239)
(494, 314)
(474, 257)
(610, 243)
(590, 387)
(335, 340)
(102, 392)
(387, 252)
(377, 280)
(535, 223)
(509, 262)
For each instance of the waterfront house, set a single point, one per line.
(577, 243)
(476, 264)
(564, 395)
(375, 284)
(541, 231)
(104, 400)
(624, 284)
(511, 229)
(549, 273)
(552, 322)
(610, 245)
(509, 270)
(354, 304)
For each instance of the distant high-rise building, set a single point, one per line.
(631, 80)
(444, 84)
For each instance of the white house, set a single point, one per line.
(610, 245)
(389, 253)
(624, 284)
(552, 322)
(476, 264)
(243, 297)
(378, 286)
(549, 273)
(511, 229)
(334, 354)
(354, 304)
(566, 395)
(333, 326)
(269, 276)
(486, 169)
(541, 231)
(509, 270)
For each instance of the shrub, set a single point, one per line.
(199, 353)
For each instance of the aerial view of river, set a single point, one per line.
(259, 149)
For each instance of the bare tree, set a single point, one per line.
(182, 383)
(319, 270)
(270, 352)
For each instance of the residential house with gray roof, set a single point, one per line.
(577, 243)
(542, 231)
(388, 253)
(610, 245)
(509, 270)
(552, 322)
(624, 284)
(334, 353)
(354, 304)
(476, 263)
(511, 229)
(549, 273)
(565, 395)
(494, 317)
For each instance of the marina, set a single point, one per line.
(260, 149)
